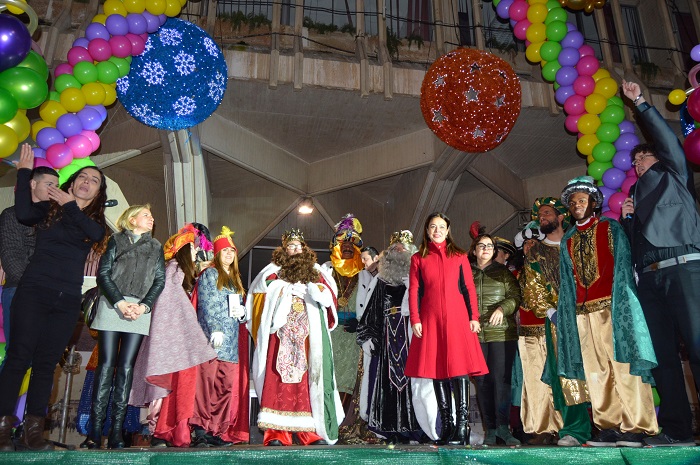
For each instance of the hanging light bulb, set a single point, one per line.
(306, 207)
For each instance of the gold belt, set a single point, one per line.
(392, 311)
(531, 331)
(593, 306)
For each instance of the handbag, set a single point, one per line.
(88, 305)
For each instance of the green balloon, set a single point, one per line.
(8, 106)
(550, 51)
(85, 72)
(597, 168)
(556, 14)
(612, 114)
(122, 65)
(553, 4)
(64, 81)
(496, 2)
(607, 132)
(556, 85)
(67, 171)
(556, 30)
(129, 58)
(549, 71)
(53, 95)
(615, 100)
(107, 72)
(36, 62)
(27, 86)
(603, 152)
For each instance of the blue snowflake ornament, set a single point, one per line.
(178, 81)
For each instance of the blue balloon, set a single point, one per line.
(15, 42)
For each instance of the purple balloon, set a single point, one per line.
(625, 127)
(622, 160)
(81, 42)
(573, 39)
(39, 152)
(152, 22)
(513, 23)
(568, 57)
(15, 42)
(695, 53)
(117, 25)
(137, 23)
(503, 7)
(570, 26)
(626, 141)
(96, 31)
(566, 75)
(563, 93)
(49, 136)
(99, 109)
(607, 192)
(90, 118)
(69, 124)
(613, 178)
(162, 19)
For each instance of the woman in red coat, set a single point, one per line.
(445, 321)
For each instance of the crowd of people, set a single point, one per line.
(574, 321)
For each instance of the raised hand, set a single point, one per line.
(26, 157)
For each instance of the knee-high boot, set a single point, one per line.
(462, 430)
(100, 399)
(120, 399)
(444, 401)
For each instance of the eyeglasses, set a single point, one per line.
(484, 246)
(638, 161)
(295, 247)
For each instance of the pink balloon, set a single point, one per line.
(584, 85)
(63, 68)
(691, 146)
(587, 66)
(121, 46)
(571, 123)
(586, 50)
(615, 202)
(42, 162)
(627, 183)
(575, 105)
(694, 105)
(518, 10)
(631, 173)
(80, 146)
(137, 44)
(94, 139)
(612, 215)
(520, 28)
(78, 54)
(59, 155)
(100, 50)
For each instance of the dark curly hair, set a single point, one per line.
(297, 268)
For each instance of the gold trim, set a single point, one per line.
(593, 306)
(531, 330)
(296, 429)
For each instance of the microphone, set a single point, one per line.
(111, 203)
(629, 215)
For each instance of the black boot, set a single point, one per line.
(444, 401)
(462, 430)
(6, 424)
(100, 400)
(33, 434)
(120, 399)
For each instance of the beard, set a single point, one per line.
(298, 268)
(550, 226)
(394, 266)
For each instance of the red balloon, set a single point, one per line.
(692, 144)
(694, 105)
(59, 155)
(121, 46)
(78, 54)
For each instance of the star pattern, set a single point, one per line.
(438, 117)
(500, 101)
(478, 132)
(440, 81)
(472, 95)
(474, 67)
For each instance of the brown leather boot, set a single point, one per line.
(33, 434)
(6, 423)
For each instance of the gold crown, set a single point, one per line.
(293, 234)
(404, 236)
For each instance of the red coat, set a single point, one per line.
(448, 348)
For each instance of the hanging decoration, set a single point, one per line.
(470, 99)
(587, 5)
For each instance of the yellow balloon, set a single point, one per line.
(535, 2)
(677, 96)
(16, 11)
(99, 19)
(134, 6)
(173, 8)
(607, 87)
(602, 73)
(21, 125)
(110, 94)
(73, 99)
(50, 111)
(586, 143)
(156, 7)
(114, 7)
(94, 93)
(588, 123)
(8, 141)
(589, 159)
(537, 13)
(596, 103)
(25, 382)
(536, 32)
(532, 52)
(38, 126)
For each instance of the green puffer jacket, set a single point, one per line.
(497, 287)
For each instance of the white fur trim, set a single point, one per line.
(425, 405)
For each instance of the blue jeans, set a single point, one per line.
(7, 294)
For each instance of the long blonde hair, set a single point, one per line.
(123, 223)
(230, 280)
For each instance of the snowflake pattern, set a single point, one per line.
(211, 47)
(184, 63)
(149, 45)
(184, 106)
(217, 87)
(153, 72)
(144, 113)
(123, 85)
(170, 36)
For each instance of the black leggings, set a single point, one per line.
(116, 349)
